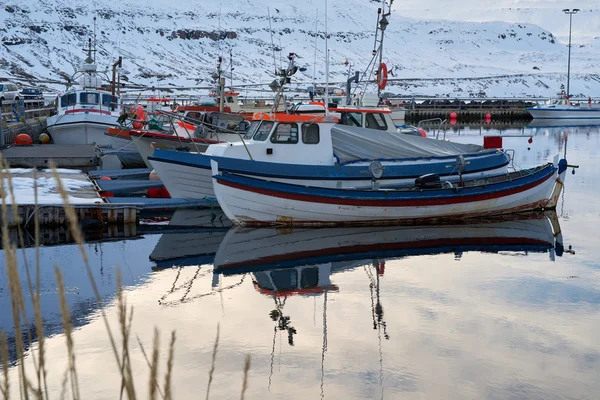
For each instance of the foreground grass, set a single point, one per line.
(35, 385)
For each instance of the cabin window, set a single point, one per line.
(110, 101)
(285, 133)
(310, 133)
(262, 133)
(88, 98)
(309, 278)
(230, 99)
(251, 130)
(375, 121)
(352, 119)
(193, 117)
(68, 100)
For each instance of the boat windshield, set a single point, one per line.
(252, 130)
(351, 119)
(262, 133)
(89, 98)
(67, 100)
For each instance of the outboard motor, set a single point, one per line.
(428, 181)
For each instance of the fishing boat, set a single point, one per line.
(563, 109)
(251, 250)
(324, 151)
(83, 115)
(250, 201)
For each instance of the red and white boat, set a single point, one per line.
(83, 115)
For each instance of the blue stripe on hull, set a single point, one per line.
(445, 166)
(390, 195)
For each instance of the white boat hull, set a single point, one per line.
(81, 128)
(575, 113)
(252, 207)
(184, 182)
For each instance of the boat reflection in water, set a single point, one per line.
(284, 263)
(191, 238)
(270, 249)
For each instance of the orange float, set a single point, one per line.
(23, 139)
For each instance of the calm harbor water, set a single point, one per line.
(497, 310)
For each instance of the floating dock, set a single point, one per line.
(83, 197)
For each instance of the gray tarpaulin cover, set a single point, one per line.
(352, 143)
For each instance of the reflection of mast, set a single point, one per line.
(377, 311)
(282, 324)
(324, 344)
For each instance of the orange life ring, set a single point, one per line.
(382, 76)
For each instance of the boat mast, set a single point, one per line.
(383, 23)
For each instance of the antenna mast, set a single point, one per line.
(315, 59)
(272, 44)
(326, 66)
(383, 23)
(95, 40)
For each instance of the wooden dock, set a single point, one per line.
(39, 156)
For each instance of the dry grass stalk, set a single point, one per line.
(125, 320)
(246, 369)
(169, 374)
(66, 320)
(16, 295)
(40, 369)
(212, 364)
(4, 388)
(149, 363)
(37, 308)
(154, 366)
(78, 236)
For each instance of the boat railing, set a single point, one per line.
(215, 129)
(440, 125)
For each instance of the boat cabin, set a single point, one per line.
(299, 139)
(88, 100)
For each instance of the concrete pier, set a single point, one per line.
(39, 156)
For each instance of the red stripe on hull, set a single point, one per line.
(385, 203)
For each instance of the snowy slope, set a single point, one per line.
(545, 13)
(176, 43)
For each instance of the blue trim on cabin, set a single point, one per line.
(388, 195)
(479, 162)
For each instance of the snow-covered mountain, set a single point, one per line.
(167, 44)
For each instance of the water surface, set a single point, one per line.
(496, 310)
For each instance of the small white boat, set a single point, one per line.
(83, 115)
(563, 109)
(250, 201)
